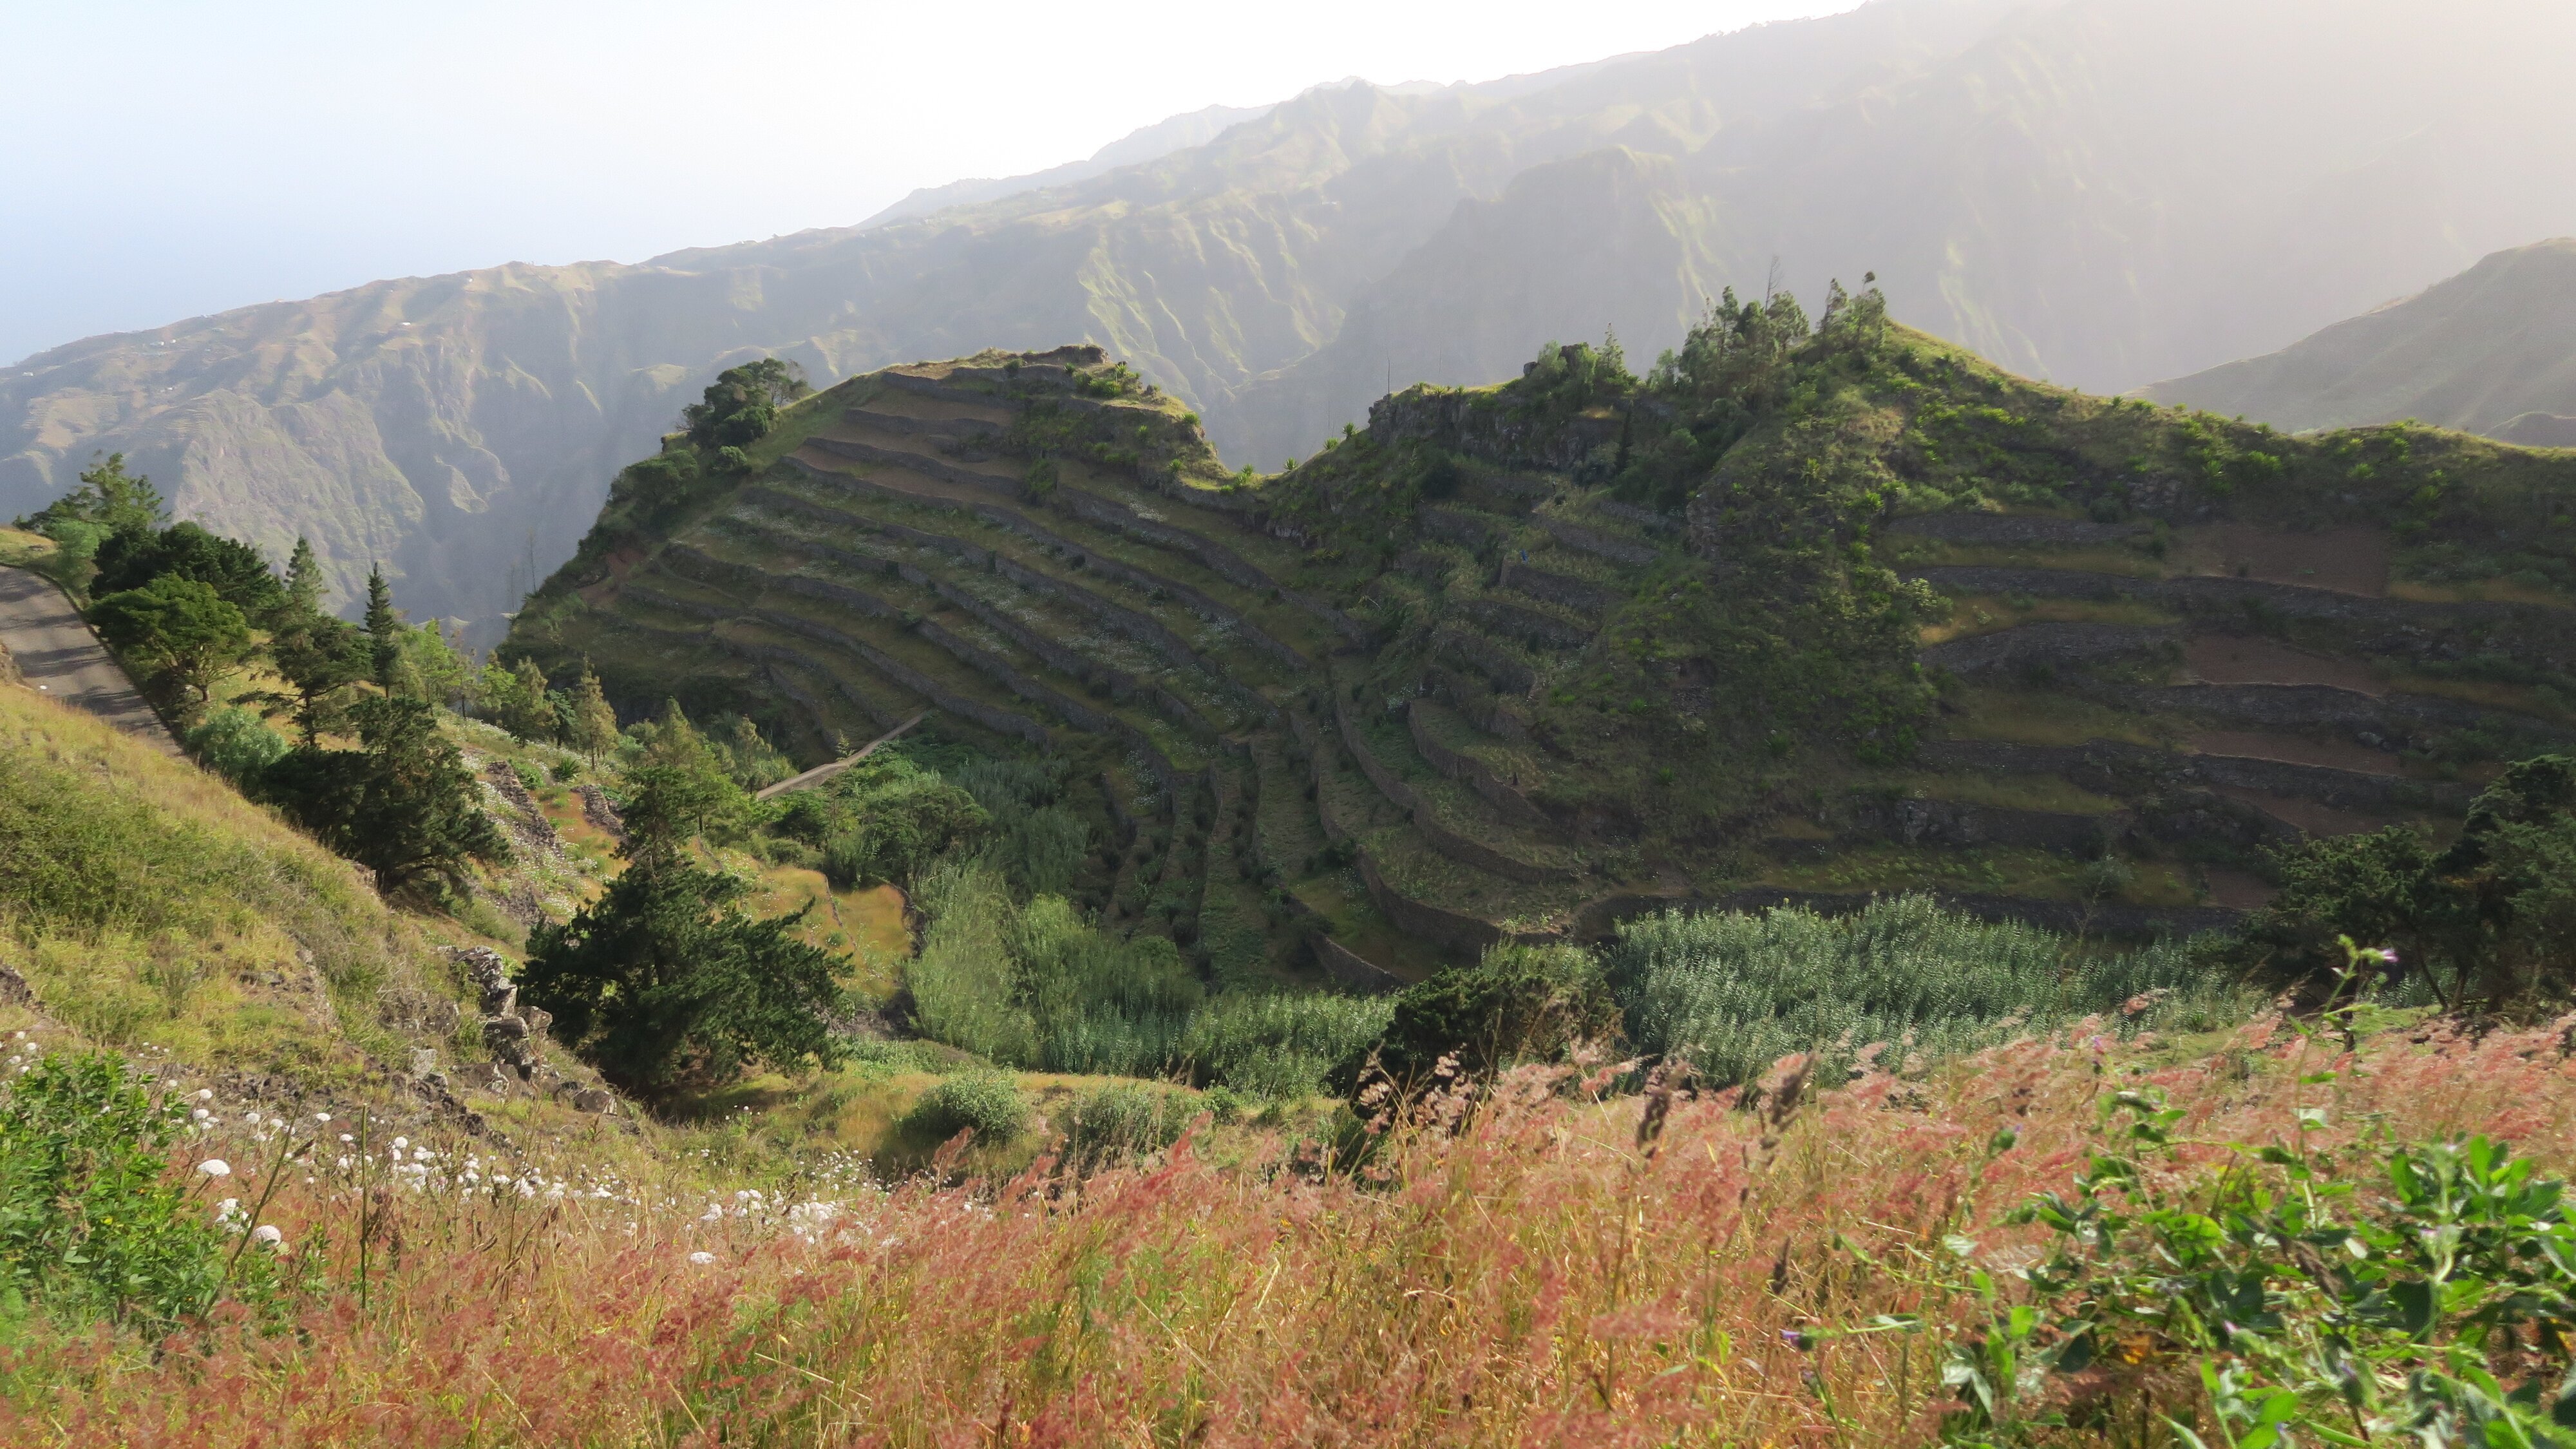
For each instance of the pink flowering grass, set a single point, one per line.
(1531, 1273)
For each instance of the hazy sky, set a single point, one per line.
(167, 160)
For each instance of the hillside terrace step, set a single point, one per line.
(1425, 721)
(2396, 628)
(1142, 628)
(745, 640)
(2406, 717)
(1209, 554)
(1117, 683)
(1956, 825)
(1000, 721)
(1645, 518)
(2008, 529)
(1426, 819)
(993, 388)
(2112, 767)
(1001, 671)
(1528, 622)
(1598, 544)
(1468, 530)
(1511, 674)
(2026, 646)
(1143, 580)
(925, 464)
(1561, 589)
(960, 428)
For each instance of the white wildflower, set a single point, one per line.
(702, 1258)
(267, 1235)
(215, 1167)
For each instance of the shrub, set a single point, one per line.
(236, 744)
(92, 1223)
(1520, 1003)
(1123, 1120)
(988, 1102)
(1732, 993)
(962, 985)
(1280, 1046)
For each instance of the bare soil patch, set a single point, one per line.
(2296, 750)
(2229, 659)
(2350, 560)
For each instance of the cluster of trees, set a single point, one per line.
(183, 607)
(2488, 919)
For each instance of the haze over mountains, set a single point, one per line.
(2492, 350)
(2100, 192)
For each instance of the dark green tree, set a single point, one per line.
(686, 785)
(109, 500)
(384, 630)
(2491, 916)
(180, 634)
(133, 557)
(319, 657)
(403, 804)
(303, 580)
(664, 982)
(741, 405)
(590, 726)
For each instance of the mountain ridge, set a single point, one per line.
(2486, 351)
(2109, 250)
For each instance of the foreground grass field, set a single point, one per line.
(1550, 1264)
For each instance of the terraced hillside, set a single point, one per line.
(1796, 616)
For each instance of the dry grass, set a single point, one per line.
(1535, 1276)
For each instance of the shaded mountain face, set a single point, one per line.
(1803, 614)
(2097, 191)
(2492, 350)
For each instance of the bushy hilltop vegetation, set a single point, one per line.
(1810, 610)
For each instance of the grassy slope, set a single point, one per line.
(151, 907)
(1527, 1276)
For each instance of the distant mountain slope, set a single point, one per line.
(2096, 191)
(1145, 143)
(2492, 350)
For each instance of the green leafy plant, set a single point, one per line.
(2285, 1298)
(94, 1219)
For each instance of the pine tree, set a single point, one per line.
(303, 580)
(404, 806)
(664, 980)
(592, 725)
(529, 712)
(384, 627)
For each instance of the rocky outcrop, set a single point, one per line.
(515, 1034)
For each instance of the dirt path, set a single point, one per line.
(57, 654)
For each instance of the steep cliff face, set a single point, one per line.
(2034, 181)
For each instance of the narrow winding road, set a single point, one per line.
(57, 654)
